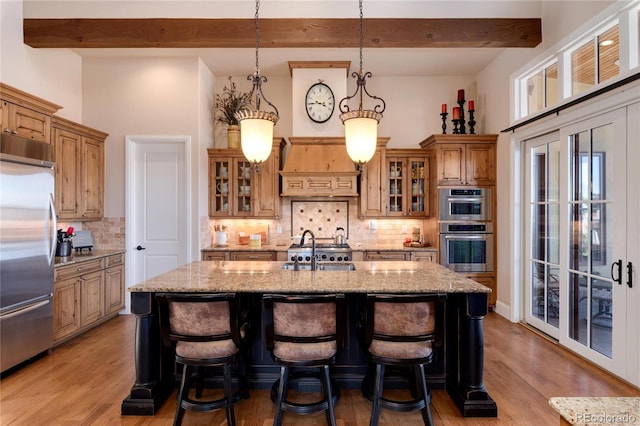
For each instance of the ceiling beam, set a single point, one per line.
(281, 33)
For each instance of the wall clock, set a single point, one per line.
(319, 102)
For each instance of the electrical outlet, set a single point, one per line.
(373, 227)
(404, 229)
(279, 229)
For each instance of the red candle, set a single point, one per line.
(444, 108)
(460, 95)
(456, 113)
(472, 106)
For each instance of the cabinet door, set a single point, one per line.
(266, 194)
(114, 289)
(259, 255)
(451, 164)
(243, 186)
(91, 297)
(398, 177)
(4, 116)
(373, 187)
(92, 183)
(418, 186)
(220, 201)
(384, 255)
(28, 123)
(488, 282)
(68, 166)
(480, 164)
(66, 318)
(215, 255)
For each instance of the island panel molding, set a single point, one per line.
(281, 33)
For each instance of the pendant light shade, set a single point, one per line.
(361, 136)
(361, 125)
(256, 126)
(256, 137)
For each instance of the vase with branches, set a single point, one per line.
(225, 107)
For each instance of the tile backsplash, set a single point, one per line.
(321, 216)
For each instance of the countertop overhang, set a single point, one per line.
(268, 277)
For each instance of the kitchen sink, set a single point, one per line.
(321, 266)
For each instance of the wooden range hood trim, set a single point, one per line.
(318, 155)
(281, 33)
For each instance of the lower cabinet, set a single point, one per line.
(86, 294)
(416, 255)
(487, 281)
(239, 255)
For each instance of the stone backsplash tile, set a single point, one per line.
(108, 233)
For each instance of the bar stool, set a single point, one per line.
(401, 330)
(206, 332)
(306, 335)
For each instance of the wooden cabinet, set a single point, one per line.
(114, 284)
(239, 255)
(79, 170)
(373, 189)
(87, 293)
(237, 189)
(407, 174)
(462, 160)
(386, 255)
(424, 256)
(488, 281)
(25, 115)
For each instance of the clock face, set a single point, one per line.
(319, 102)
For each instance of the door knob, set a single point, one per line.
(140, 248)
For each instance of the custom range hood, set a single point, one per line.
(319, 167)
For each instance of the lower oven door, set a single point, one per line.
(467, 253)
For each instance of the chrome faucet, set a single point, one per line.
(313, 247)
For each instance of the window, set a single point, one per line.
(541, 88)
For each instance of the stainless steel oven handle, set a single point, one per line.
(471, 200)
(467, 237)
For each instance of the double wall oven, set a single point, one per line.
(466, 229)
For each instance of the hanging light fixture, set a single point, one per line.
(256, 126)
(361, 125)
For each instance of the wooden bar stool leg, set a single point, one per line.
(377, 395)
(426, 396)
(328, 394)
(282, 394)
(182, 393)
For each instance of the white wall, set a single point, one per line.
(559, 19)
(54, 75)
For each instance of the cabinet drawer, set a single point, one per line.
(215, 255)
(384, 255)
(424, 256)
(115, 260)
(80, 268)
(262, 255)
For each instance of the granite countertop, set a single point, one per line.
(257, 276)
(585, 411)
(84, 256)
(285, 247)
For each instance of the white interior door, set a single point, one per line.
(157, 205)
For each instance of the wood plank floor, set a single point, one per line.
(84, 381)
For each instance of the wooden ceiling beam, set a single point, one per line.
(281, 33)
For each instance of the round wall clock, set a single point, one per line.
(319, 102)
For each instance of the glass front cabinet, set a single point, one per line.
(237, 188)
(408, 183)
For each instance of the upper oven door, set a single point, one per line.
(465, 204)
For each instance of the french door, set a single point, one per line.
(580, 209)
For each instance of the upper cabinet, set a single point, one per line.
(25, 115)
(407, 174)
(461, 160)
(373, 186)
(79, 170)
(238, 189)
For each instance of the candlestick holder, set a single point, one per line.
(463, 129)
(444, 122)
(472, 122)
(456, 122)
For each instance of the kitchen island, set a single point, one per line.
(458, 365)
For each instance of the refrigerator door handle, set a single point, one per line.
(25, 310)
(54, 232)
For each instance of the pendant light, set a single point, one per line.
(361, 125)
(256, 126)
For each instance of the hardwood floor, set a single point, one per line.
(84, 381)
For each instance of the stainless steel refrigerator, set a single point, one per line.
(27, 248)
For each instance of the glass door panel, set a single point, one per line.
(543, 168)
(590, 245)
